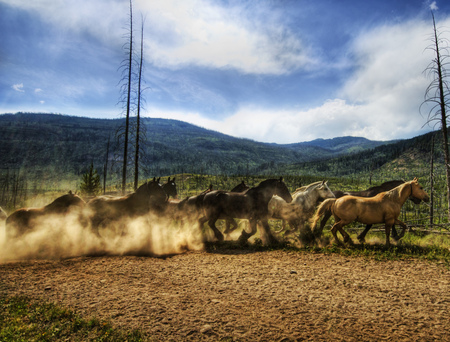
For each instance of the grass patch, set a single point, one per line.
(23, 319)
(432, 248)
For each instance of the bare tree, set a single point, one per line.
(437, 93)
(138, 114)
(122, 133)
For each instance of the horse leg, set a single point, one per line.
(387, 228)
(230, 222)
(266, 228)
(334, 230)
(217, 233)
(201, 221)
(318, 230)
(244, 235)
(339, 227)
(362, 237)
(394, 232)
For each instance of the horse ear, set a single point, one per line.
(173, 179)
(281, 178)
(415, 179)
(168, 180)
(154, 179)
(159, 179)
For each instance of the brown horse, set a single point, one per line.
(231, 224)
(23, 220)
(382, 208)
(372, 191)
(170, 188)
(149, 197)
(251, 204)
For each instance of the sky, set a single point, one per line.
(281, 71)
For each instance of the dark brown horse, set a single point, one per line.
(251, 204)
(370, 192)
(170, 188)
(149, 197)
(382, 208)
(231, 224)
(24, 220)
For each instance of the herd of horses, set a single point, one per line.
(270, 199)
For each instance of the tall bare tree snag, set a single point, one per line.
(138, 114)
(126, 81)
(437, 94)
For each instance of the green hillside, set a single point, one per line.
(48, 145)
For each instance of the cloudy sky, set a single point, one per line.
(279, 71)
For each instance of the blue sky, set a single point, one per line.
(279, 71)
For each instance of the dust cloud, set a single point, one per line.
(65, 236)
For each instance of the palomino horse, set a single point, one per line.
(23, 220)
(372, 191)
(382, 208)
(170, 188)
(301, 209)
(251, 204)
(149, 197)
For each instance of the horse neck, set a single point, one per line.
(402, 192)
(308, 198)
(262, 192)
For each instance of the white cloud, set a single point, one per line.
(379, 101)
(202, 33)
(18, 87)
(38, 90)
(433, 6)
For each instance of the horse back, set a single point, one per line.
(367, 210)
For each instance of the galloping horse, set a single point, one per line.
(251, 204)
(170, 188)
(231, 224)
(149, 197)
(304, 202)
(382, 208)
(372, 191)
(23, 220)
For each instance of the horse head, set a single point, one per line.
(170, 188)
(417, 192)
(240, 187)
(152, 193)
(324, 191)
(282, 190)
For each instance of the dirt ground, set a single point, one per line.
(247, 296)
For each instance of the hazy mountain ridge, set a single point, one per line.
(70, 144)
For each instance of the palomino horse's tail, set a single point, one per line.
(323, 208)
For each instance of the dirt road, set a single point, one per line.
(247, 296)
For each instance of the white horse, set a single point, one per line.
(302, 207)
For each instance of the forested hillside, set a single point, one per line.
(51, 145)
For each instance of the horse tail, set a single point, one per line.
(321, 210)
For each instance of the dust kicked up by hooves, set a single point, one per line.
(56, 237)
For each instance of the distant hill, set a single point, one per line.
(50, 145)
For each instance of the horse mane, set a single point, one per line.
(306, 187)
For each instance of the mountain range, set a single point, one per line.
(48, 145)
